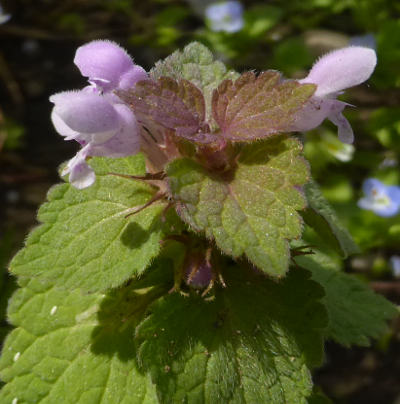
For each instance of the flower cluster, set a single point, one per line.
(381, 199)
(104, 125)
(225, 16)
(94, 116)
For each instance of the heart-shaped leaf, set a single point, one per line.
(85, 239)
(254, 212)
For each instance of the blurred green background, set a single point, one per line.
(37, 47)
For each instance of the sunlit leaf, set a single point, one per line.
(252, 212)
(254, 107)
(85, 239)
(176, 105)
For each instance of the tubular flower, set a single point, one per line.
(107, 66)
(94, 116)
(333, 73)
(382, 199)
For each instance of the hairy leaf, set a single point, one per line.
(355, 312)
(253, 343)
(85, 240)
(175, 105)
(72, 347)
(322, 218)
(195, 64)
(254, 107)
(255, 211)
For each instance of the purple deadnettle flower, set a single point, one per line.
(383, 200)
(94, 116)
(333, 73)
(108, 66)
(225, 16)
(198, 270)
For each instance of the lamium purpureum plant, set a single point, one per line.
(174, 265)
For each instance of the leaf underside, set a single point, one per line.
(85, 240)
(255, 107)
(255, 212)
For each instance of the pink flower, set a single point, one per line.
(333, 73)
(108, 66)
(94, 116)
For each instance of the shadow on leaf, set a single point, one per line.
(254, 329)
(124, 308)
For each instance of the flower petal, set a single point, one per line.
(345, 131)
(126, 141)
(315, 112)
(393, 193)
(80, 174)
(103, 62)
(226, 16)
(378, 198)
(131, 77)
(373, 186)
(62, 128)
(86, 113)
(341, 69)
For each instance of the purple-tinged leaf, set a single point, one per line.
(196, 64)
(175, 105)
(255, 107)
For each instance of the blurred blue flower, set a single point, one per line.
(395, 265)
(384, 200)
(3, 17)
(226, 16)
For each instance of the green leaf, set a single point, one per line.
(255, 107)
(195, 64)
(6, 292)
(356, 314)
(319, 397)
(73, 347)
(253, 343)
(260, 18)
(322, 218)
(85, 240)
(255, 211)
